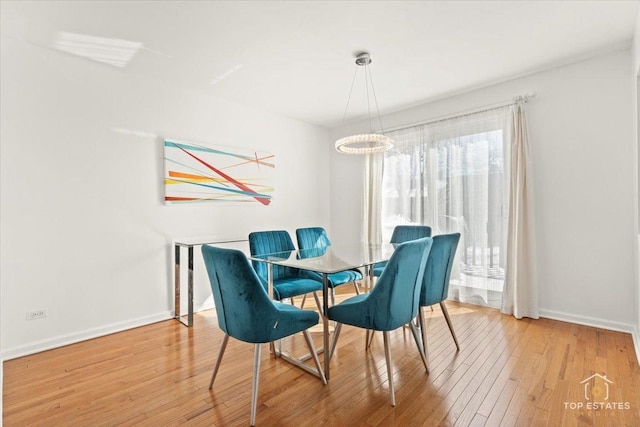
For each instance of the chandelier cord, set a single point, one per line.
(366, 83)
(375, 99)
(344, 116)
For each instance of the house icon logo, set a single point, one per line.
(596, 387)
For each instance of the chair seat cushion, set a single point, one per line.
(291, 319)
(342, 277)
(378, 268)
(294, 286)
(335, 279)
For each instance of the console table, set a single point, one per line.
(189, 244)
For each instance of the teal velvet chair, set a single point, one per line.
(246, 313)
(435, 284)
(287, 282)
(316, 238)
(392, 303)
(403, 233)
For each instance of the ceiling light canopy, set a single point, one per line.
(366, 143)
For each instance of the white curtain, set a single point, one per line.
(403, 181)
(520, 291)
(371, 230)
(453, 176)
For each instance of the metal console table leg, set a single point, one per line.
(178, 315)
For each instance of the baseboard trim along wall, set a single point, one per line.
(636, 342)
(62, 340)
(588, 321)
(597, 323)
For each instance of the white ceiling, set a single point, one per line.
(296, 58)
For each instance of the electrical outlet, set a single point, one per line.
(37, 314)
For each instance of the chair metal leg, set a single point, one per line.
(312, 350)
(355, 286)
(416, 338)
(256, 380)
(369, 338)
(387, 355)
(304, 298)
(448, 319)
(336, 334)
(423, 328)
(333, 296)
(223, 347)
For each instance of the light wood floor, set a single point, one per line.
(508, 372)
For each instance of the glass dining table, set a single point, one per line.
(328, 260)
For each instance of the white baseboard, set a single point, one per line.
(207, 305)
(636, 342)
(62, 340)
(588, 321)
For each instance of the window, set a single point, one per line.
(451, 176)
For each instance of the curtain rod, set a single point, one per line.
(515, 100)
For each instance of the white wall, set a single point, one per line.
(581, 130)
(85, 233)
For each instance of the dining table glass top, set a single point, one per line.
(331, 259)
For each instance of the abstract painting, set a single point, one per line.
(199, 173)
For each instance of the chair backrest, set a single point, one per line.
(394, 300)
(312, 237)
(435, 285)
(268, 242)
(243, 307)
(405, 233)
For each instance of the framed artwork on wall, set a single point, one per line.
(196, 173)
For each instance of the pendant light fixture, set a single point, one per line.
(370, 142)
